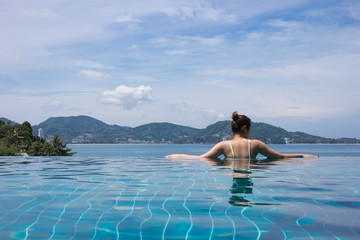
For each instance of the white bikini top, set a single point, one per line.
(232, 151)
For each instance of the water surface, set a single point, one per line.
(132, 192)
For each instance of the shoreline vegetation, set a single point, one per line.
(17, 140)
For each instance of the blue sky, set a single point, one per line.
(293, 64)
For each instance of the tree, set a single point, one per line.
(59, 148)
(18, 138)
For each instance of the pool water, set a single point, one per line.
(124, 194)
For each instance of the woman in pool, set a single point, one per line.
(241, 146)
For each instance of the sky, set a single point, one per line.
(292, 64)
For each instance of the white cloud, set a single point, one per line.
(216, 40)
(54, 106)
(285, 24)
(214, 114)
(212, 14)
(188, 41)
(290, 53)
(252, 36)
(127, 19)
(354, 11)
(94, 75)
(176, 52)
(128, 97)
(196, 115)
(195, 10)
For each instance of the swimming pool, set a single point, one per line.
(150, 197)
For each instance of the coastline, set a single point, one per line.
(79, 144)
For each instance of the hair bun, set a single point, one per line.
(235, 116)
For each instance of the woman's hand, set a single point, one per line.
(173, 156)
(309, 156)
(182, 156)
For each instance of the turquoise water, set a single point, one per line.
(132, 192)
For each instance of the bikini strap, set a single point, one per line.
(249, 151)
(232, 151)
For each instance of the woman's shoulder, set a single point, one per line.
(256, 142)
(223, 143)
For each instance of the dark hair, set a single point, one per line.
(238, 121)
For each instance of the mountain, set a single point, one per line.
(5, 120)
(213, 133)
(261, 131)
(85, 129)
(163, 132)
(81, 129)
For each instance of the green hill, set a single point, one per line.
(84, 129)
(264, 132)
(163, 132)
(81, 129)
(261, 131)
(5, 120)
(213, 133)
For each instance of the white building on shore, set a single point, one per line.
(41, 133)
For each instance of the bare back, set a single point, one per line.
(238, 148)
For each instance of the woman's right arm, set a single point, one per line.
(265, 150)
(214, 152)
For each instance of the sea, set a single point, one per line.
(130, 191)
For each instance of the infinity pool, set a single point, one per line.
(158, 198)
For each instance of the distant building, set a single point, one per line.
(41, 133)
